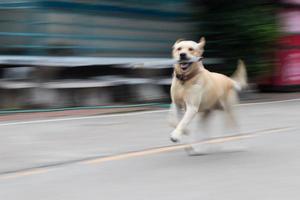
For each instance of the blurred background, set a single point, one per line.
(70, 53)
(73, 73)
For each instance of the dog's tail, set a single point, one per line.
(240, 76)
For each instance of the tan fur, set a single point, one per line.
(205, 91)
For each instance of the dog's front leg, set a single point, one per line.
(187, 118)
(175, 115)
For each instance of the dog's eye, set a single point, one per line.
(191, 49)
(179, 49)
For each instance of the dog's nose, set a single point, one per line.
(182, 55)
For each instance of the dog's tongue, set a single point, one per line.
(184, 65)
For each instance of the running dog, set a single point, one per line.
(195, 90)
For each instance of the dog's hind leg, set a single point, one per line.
(202, 127)
(204, 120)
(232, 125)
(196, 137)
(227, 105)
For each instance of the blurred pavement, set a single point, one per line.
(64, 158)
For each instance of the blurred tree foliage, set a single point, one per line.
(240, 29)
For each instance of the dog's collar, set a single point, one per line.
(185, 77)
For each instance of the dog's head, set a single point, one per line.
(187, 52)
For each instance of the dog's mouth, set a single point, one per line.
(185, 65)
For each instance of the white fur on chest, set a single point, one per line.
(183, 93)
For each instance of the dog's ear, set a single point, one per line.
(201, 42)
(179, 40)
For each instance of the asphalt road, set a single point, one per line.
(129, 156)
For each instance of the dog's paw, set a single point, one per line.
(175, 140)
(191, 151)
(198, 150)
(176, 136)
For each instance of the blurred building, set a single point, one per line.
(127, 28)
(119, 33)
(116, 32)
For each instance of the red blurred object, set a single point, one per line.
(290, 41)
(286, 74)
(288, 69)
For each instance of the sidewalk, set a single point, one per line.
(245, 98)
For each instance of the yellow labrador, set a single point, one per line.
(195, 89)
